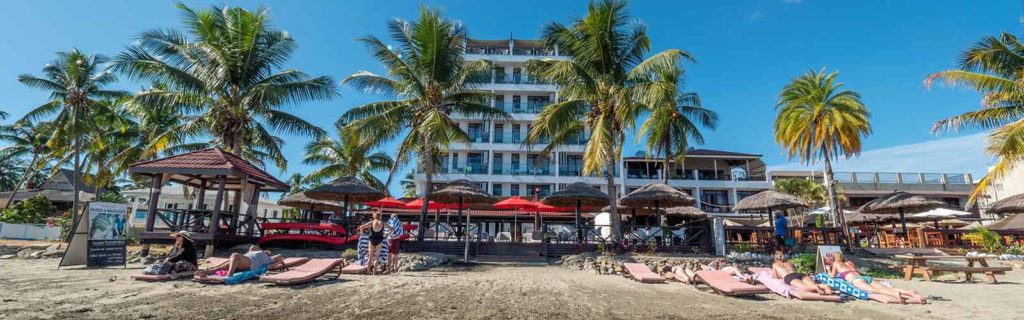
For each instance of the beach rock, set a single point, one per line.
(7, 256)
(25, 253)
(148, 260)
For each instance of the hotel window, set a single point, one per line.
(499, 102)
(499, 133)
(514, 189)
(496, 189)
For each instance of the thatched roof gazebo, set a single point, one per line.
(460, 192)
(577, 195)
(657, 195)
(1009, 205)
(769, 200)
(1013, 223)
(347, 190)
(689, 212)
(301, 201)
(901, 203)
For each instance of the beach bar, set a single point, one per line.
(212, 221)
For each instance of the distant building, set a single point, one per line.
(1010, 185)
(59, 188)
(717, 178)
(861, 187)
(173, 197)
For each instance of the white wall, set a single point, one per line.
(28, 231)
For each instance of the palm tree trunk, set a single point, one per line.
(833, 201)
(77, 169)
(614, 218)
(429, 163)
(24, 176)
(668, 155)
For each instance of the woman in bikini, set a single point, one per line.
(848, 271)
(377, 230)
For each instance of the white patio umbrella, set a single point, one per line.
(940, 213)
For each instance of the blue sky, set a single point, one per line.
(746, 52)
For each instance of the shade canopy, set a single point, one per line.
(581, 192)
(896, 202)
(1011, 223)
(301, 201)
(462, 190)
(540, 207)
(657, 194)
(386, 202)
(344, 188)
(767, 200)
(1009, 205)
(205, 168)
(686, 212)
(418, 204)
(857, 217)
(941, 213)
(515, 203)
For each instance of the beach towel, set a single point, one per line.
(775, 285)
(363, 250)
(242, 276)
(396, 227)
(841, 286)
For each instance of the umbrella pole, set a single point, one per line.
(465, 257)
(936, 223)
(658, 218)
(903, 222)
(344, 213)
(458, 221)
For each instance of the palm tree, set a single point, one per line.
(598, 86)
(225, 76)
(428, 80)
(409, 184)
(26, 139)
(992, 66)
(675, 117)
(345, 157)
(297, 183)
(75, 81)
(818, 119)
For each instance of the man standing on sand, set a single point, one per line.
(781, 228)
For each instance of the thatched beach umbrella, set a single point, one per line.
(689, 212)
(577, 194)
(901, 203)
(769, 200)
(347, 190)
(657, 195)
(1009, 205)
(302, 202)
(1012, 223)
(461, 192)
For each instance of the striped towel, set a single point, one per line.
(396, 227)
(363, 249)
(841, 286)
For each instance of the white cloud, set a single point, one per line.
(755, 15)
(964, 154)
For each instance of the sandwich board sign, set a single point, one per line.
(824, 258)
(99, 237)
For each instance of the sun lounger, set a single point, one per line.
(354, 268)
(288, 263)
(307, 272)
(764, 276)
(236, 278)
(640, 272)
(723, 282)
(680, 275)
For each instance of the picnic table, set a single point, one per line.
(975, 264)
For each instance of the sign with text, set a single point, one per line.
(107, 234)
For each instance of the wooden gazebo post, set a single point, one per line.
(218, 202)
(154, 197)
(252, 206)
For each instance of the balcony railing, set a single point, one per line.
(702, 175)
(481, 137)
(577, 171)
(504, 50)
(467, 168)
(902, 178)
(523, 170)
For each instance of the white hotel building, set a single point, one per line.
(502, 165)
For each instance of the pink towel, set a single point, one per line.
(775, 285)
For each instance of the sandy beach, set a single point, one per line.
(34, 289)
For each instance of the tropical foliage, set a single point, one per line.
(818, 119)
(992, 66)
(427, 81)
(33, 210)
(675, 117)
(342, 157)
(600, 85)
(409, 185)
(26, 140)
(225, 77)
(985, 238)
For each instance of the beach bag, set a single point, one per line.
(157, 269)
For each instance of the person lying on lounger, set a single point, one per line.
(785, 270)
(848, 271)
(255, 259)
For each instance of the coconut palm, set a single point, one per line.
(226, 77)
(26, 139)
(992, 66)
(597, 86)
(675, 117)
(818, 119)
(345, 157)
(75, 81)
(409, 184)
(428, 80)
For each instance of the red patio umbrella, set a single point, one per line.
(418, 203)
(386, 202)
(515, 203)
(546, 208)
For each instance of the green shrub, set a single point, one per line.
(986, 239)
(881, 273)
(744, 247)
(349, 254)
(804, 263)
(32, 210)
(1016, 249)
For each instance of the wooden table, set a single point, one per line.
(918, 265)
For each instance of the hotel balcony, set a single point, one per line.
(509, 50)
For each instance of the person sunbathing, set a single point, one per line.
(721, 264)
(785, 270)
(255, 259)
(848, 271)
